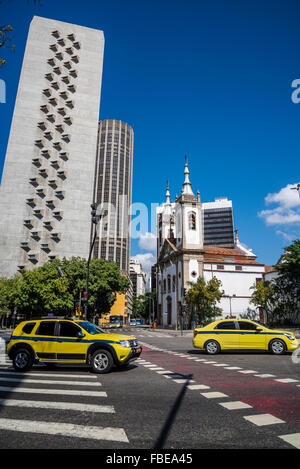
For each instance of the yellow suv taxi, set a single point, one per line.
(64, 340)
(226, 334)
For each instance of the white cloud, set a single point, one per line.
(147, 260)
(287, 236)
(286, 197)
(147, 242)
(285, 213)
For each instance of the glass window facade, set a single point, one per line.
(113, 186)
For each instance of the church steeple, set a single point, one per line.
(168, 194)
(187, 186)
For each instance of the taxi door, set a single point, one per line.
(250, 338)
(227, 335)
(70, 346)
(45, 340)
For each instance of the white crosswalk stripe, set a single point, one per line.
(64, 429)
(36, 385)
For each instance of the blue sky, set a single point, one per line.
(208, 78)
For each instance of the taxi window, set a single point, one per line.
(28, 328)
(67, 329)
(247, 326)
(46, 328)
(226, 325)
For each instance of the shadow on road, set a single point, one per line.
(172, 415)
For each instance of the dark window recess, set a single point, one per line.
(226, 325)
(28, 328)
(247, 326)
(46, 328)
(67, 329)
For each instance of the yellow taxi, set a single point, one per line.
(64, 340)
(243, 334)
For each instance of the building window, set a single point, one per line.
(220, 267)
(238, 267)
(192, 221)
(169, 283)
(173, 283)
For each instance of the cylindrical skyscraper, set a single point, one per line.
(113, 191)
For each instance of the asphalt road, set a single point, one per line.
(173, 397)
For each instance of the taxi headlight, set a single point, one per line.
(125, 343)
(290, 336)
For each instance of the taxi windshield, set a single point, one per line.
(90, 328)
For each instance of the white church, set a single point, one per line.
(198, 239)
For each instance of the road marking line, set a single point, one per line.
(247, 372)
(265, 375)
(164, 372)
(263, 419)
(49, 381)
(65, 429)
(287, 380)
(182, 380)
(66, 392)
(155, 368)
(235, 405)
(57, 405)
(293, 439)
(233, 368)
(213, 395)
(198, 386)
(61, 375)
(221, 364)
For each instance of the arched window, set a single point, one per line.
(192, 220)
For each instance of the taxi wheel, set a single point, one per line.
(277, 347)
(22, 360)
(212, 347)
(102, 361)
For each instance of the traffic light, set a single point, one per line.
(84, 296)
(94, 213)
(184, 292)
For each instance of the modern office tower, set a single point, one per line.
(137, 277)
(47, 183)
(113, 191)
(218, 223)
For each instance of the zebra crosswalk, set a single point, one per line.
(31, 402)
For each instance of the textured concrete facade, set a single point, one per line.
(48, 176)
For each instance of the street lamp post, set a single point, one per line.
(96, 216)
(297, 188)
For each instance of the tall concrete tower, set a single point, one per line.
(113, 191)
(47, 183)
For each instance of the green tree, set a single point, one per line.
(280, 297)
(41, 290)
(203, 298)
(264, 297)
(5, 39)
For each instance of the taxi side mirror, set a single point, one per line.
(259, 329)
(80, 335)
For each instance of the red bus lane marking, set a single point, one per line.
(281, 400)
